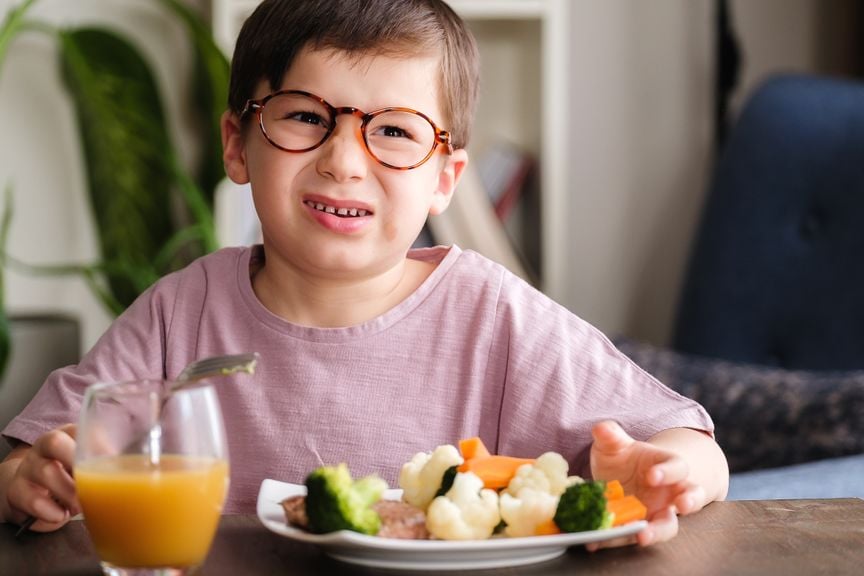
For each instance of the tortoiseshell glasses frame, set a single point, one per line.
(299, 121)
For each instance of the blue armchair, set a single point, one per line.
(770, 328)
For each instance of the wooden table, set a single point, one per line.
(783, 537)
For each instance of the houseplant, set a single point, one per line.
(152, 214)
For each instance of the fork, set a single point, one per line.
(198, 370)
(205, 368)
(215, 366)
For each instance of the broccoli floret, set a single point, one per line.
(447, 480)
(335, 502)
(583, 507)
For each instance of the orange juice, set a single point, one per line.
(152, 515)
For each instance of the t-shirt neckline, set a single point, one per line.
(445, 256)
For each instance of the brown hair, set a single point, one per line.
(278, 30)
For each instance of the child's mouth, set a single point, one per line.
(340, 212)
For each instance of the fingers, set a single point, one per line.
(609, 437)
(42, 485)
(47, 511)
(663, 526)
(29, 498)
(58, 445)
(668, 469)
(52, 469)
(611, 543)
(692, 499)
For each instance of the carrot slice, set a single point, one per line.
(614, 489)
(495, 471)
(547, 528)
(626, 509)
(473, 448)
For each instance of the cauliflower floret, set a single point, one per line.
(547, 474)
(420, 478)
(467, 512)
(531, 497)
(523, 514)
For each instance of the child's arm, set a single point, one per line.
(37, 481)
(676, 471)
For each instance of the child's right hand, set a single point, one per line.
(37, 481)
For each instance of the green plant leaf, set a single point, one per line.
(210, 85)
(11, 25)
(128, 153)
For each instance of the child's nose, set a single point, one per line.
(343, 156)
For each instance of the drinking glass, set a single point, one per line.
(151, 472)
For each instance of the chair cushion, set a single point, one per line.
(831, 478)
(765, 416)
(775, 275)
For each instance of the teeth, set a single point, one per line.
(344, 212)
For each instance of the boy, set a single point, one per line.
(350, 119)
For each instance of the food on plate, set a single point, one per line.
(583, 507)
(398, 519)
(529, 502)
(421, 477)
(626, 509)
(473, 448)
(494, 471)
(334, 501)
(295, 511)
(447, 480)
(596, 505)
(401, 520)
(463, 494)
(468, 511)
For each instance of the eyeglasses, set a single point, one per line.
(297, 121)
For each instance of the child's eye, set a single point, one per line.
(307, 118)
(392, 132)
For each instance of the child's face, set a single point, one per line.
(290, 188)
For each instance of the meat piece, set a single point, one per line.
(401, 520)
(295, 511)
(398, 519)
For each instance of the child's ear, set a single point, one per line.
(448, 178)
(233, 148)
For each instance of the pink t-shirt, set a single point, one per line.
(474, 351)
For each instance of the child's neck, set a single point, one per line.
(335, 303)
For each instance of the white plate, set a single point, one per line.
(366, 550)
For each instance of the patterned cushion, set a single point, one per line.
(764, 416)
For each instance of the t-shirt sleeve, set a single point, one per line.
(132, 347)
(564, 375)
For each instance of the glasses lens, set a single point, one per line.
(401, 139)
(295, 122)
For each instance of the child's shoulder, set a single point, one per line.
(219, 265)
(468, 270)
(447, 257)
(225, 259)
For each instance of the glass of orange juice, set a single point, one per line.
(151, 472)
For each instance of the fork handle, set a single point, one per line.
(28, 522)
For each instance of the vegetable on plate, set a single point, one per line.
(336, 502)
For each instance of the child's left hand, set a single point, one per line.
(657, 476)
